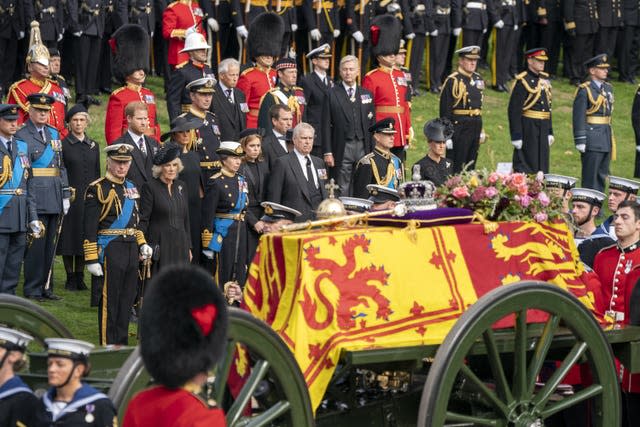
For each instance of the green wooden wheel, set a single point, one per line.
(28, 317)
(513, 367)
(274, 376)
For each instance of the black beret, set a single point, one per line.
(78, 108)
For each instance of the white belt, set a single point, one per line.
(476, 5)
(617, 316)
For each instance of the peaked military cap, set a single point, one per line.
(598, 61)
(323, 51)
(588, 195)
(470, 52)
(274, 212)
(41, 101)
(203, 85)
(356, 204)
(13, 340)
(69, 348)
(381, 194)
(623, 184)
(9, 111)
(119, 152)
(386, 125)
(230, 148)
(539, 53)
(559, 181)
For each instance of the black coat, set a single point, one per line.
(50, 15)
(340, 121)
(75, 413)
(287, 185)
(177, 94)
(17, 407)
(315, 93)
(164, 220)
(191, 175)
(13, 18)
(82, 160)
(231, 117)
(257, 176)
(272, 150)
(140, 170)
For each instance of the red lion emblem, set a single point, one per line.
(354, 286)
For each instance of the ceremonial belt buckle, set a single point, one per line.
(283, 3)
(476, 5)
(443, 10)
(617, 316)
(538, 115)
(474, 112)
(599, 120)
(13, 192)
(235, 217)
(46, 172)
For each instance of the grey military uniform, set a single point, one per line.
(592, 108)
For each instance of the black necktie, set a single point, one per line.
(229, 96)
(312, 183)
(142, 147)
(9, 147)
(44, 138)
(350, 91)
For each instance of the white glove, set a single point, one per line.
(482, 138)
(145, 251)
(449, 144)
(638, 148)
(457, 31)
(20, 35)
(315, 34)
(410, 36)
(190, 31)
(294, 28)
(336, 34)
(551, 140)
(66, 204)
(393, 7)
(517, 144)
(151, 35)
(207, 253)
(515, 27)
(357, 36)
(419, 8)
(213, 24)
(434, 33)
(484, 31)
(77, 34)
(499, 24)
(60, 36)
(94, 269)
(35, 227)
(242, 31)
(581, 147)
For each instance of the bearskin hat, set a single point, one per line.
(183, 325)
(129, 51)
(265, 35)
(385, 34)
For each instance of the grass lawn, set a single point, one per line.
(74, 310)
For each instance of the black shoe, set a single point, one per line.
(415, 92)
(36, 298)
(80, 285)
(105, 90)
(435, 90)
(500, 88)
(51, 296)
(70, 284)
(94, 101)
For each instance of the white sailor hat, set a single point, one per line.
(381, 194)
(69, 348)
(623, 184)
(230, 148)
(356, 204)
(587, 195)
(274, 212)
(14, 340)
(559, 181)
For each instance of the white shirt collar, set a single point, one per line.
(347, 87)
(134, 136)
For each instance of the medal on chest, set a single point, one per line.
(90, 418)
(56, 145)
(627, 266)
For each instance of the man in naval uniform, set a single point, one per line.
(620, 190)
(586, 206)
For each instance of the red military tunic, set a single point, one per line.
(176, 19)
(389, 87)
(618, 270)
(115, 123)
(254, 82)
(19, 91)
(160, 406)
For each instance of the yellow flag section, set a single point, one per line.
(379, 287)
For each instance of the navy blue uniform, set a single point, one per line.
(88, 407)
(17, 402)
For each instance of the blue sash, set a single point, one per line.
(47, 156)
(397, 165)
(16, 178)
(221, 225)
(121, 222)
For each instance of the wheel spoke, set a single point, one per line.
(222, 371)
(567, 402)
(540, 353)
(258, 372)
(488, 393)
(475, 420)
(269, 415)
(576, 352)
(520, 356)
(502, 386)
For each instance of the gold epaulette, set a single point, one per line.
(182, 64)
(216, 175)
(372, 71)
(120, 89)
(521, 75)
(61, 77)
(247, 70)
(97, 181)
(366, 160)
(173, 4)
(297, 88)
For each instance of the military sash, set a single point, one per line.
(121, 222)
(221, 225)
(16, 177)
(397, 165)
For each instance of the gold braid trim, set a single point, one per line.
(459, 92)
(7, 169)
(388, 177)
(534, 94)
(595, 104)
(107, 202)
(294, 106)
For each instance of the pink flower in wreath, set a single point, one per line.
(478, 194)
(518, 180)
(491, 192)
(494, 177)
(544, 199)
(524, 200)
(460, 192)
(540, 217)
